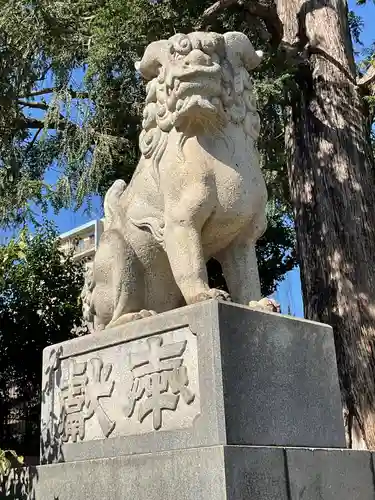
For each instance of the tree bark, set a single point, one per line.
(332, 184)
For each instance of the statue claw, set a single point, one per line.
(128, 317)
(213, 293)
(265, 304)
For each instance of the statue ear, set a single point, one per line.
(239, 50)
(154, 58)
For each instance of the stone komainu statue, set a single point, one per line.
(198, 191)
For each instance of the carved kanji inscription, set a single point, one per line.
(159, 379)
(123, 389)
(80, 395)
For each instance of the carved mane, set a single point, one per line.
(237, 104)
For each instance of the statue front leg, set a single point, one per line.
(185, 253)
(239, 264)
(240, 269)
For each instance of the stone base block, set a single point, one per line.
(209, 374)
(212, 473)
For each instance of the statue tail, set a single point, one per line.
(111, 201)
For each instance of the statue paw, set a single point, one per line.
(144, 313)
(265, 304)
(213, 293)
(128, 317)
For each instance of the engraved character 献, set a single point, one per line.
(86, 384)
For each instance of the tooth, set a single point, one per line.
(169, 79)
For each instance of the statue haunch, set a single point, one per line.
(198, 191)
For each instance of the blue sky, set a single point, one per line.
(289, 291)
(367, 12)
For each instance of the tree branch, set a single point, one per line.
(311, 49)
(38, 92)
(36, 105)
(43, 75)
(263, 9)
(267, 11)
(33, 123)
(368, 78)
(45, 107)
(259, 26)
(62, 124)
(212, 12)
(32, 142)
(75, 94)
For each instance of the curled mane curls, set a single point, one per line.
(153, 140)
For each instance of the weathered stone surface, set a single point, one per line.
(206, 473)
(208, 374)
(255, 473)
(214, 473)
(197, 192)
(280, 380)
(330, 475)
(186, 474)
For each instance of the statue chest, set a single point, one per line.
(241, 191)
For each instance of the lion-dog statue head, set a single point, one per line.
(197, 82)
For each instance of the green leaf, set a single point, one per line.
(21, 255)
(39, 306)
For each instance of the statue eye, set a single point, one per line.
(182, 45)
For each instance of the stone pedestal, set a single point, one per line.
(208, 402)
(212, 473)
(209, 374)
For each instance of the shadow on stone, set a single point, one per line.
(50, 441)
(50, 446)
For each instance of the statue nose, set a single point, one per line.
(197, 57)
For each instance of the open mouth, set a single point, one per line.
(194, 101)
(190, 72)
(187, 79)
(198, 112)
(206, 86)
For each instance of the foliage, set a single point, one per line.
(6, 461)
(71, 98)
(355, 26)
(39, 306)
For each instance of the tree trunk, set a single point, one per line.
(332, 183)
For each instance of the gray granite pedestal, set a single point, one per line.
(211, 473)
(208, 402)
